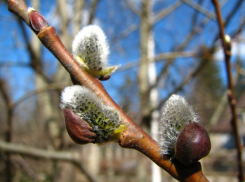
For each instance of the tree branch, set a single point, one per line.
(132, 7)
(163, 13)
(231, 95)
(230, 15)
(46, 154)
(200, 9)
(28, 170)
(133, 137)
(160, 15)
(161, 57)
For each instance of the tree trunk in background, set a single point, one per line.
(77, 20)
(46, 110)
(94, 158)
(144, 63)
(109, 161)
(62, 74)
(147, 77)
(47, 113)
(144, 82)
(47, 104)
(155, 170)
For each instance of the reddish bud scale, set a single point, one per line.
(78, 129)
(193, 144)
(38, 22)
(104, 78)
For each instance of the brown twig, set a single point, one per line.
(231, 95)
(231, 14)
(133, 137)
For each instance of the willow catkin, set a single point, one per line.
(176, 114)
(85, 104)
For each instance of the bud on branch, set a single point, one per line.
(90, 50)
(87, 107)
(181, 136)
(38, 22)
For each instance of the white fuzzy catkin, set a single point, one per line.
(90, 108)
(91, 46)
(176, 114)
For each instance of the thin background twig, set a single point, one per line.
(231, 93)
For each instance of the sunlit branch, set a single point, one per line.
(133, 137)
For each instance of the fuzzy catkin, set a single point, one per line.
(91, 46)
(176, 114)
(86, 105)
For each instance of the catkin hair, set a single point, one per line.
(103, 119)
(91, 46)
(176, 114)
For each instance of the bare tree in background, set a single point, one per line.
(168, 59)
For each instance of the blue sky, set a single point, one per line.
(168, 33)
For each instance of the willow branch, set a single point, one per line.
(133, 137)
(231, 96)
(230, 15)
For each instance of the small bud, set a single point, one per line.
(78, 129)
(228, 42)
(227, 39)
(38, 22)
(85, 106)
(193, 144)
(90, 50)
(178, 133)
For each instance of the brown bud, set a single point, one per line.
(78, 129)
(192, 144)
(104, 77)
(38, 22)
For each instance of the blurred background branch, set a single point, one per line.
(227, 46)
(184, 57)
